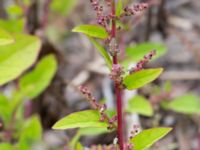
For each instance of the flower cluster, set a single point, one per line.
(112, 122)
(135, 131)
(101, 18)
(141, 63)
(129, 146)
(108, 2)
(113, 47)
(104, 19)
(89, 97)
(102, 112)
(100, 107)
(116, 74)
(97, 7)
(135, 9)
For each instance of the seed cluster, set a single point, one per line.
(135, 9)
(112, 122)
(141, 63)
(97, 7)
(89, 97)
(101, 18)
(116, 74)
(113, 47)
(100, 107)
(108, 2)
(135, 131)
(104, 19)
(129, 146)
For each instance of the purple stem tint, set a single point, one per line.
(118, 92)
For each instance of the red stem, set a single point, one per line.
(118, 91)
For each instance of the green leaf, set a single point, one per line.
(14, 11)
(63, 6)
(167, 87)
(16, 58)
(5, 37)
(137, 52)
(35, 82)
(26, 2)
(82, 119)
(92, 131)
(13, 26)
(103, 52)
(110, 112)
(147, 138)
(79, 146)
(17, 101)
(188, 104)
(6, 146)
(5, 109)
(140, 105)
(119, 8)
(92, 31)
(87, 132)
(31, 133)
(140, 78)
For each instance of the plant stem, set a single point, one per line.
(45, 16)
(118, 91)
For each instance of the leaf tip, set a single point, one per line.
(168, 129)
(55, 126)
(74, 29)
(161, 70)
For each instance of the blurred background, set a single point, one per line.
(172, 27)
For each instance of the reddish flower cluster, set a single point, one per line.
(108, 2)
(112, 122)
(100, 107)
(96, 6)
(116, 74)
(137, 8)
(135, 131)
(113, 119)
(101, 19)
(102, 112)
(129, 146)
(89, 97)
(113, 47)
(141, 63)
